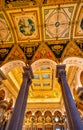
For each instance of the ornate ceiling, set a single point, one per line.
(40, 29)
(30, 30)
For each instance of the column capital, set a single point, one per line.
(27, 72)
(60, 71)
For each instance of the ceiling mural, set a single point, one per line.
(80, 45)
(19, 3)
(43, 52)
(72, 50)
(4, 51)
(29, 50)
(16, 54)
(42, 24)
(25, 23)
(79, 22)
(57, 21)
(5, 31)
(57, 49)
(43, 33)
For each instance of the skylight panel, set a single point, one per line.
(46, 84)
(45, 76)
(45, 68)
(36, 76)
(37, 84)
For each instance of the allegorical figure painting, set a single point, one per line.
(26, 26)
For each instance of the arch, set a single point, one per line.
(48, 116)
(35, 65)
(47, 113)
(43, 62)
(38, 117)
(77, 62)
(38, 113)
(11, 65)
(58, 116)
(58, 110)
(74, 61)
(58, 113)
(28, 114)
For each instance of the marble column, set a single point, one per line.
(17, 117)
(73, 116)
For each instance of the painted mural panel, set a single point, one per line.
(26, 24)
(19, 3)
(5, 33)
(79, 23)
(57, 21)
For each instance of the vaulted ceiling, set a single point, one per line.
(40, 29)
(30, 30)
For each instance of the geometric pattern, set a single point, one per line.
(72, 50)
(44, 52)
(80, 45)
(5, 34)
(26, 24)
(57, 49)
(57, 21)
(78, 29)
(16, 54)
(16, 3)
(29, 50)
(4, 52)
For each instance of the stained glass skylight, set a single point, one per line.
(43, 78)
(46, 84)
(36, 76)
